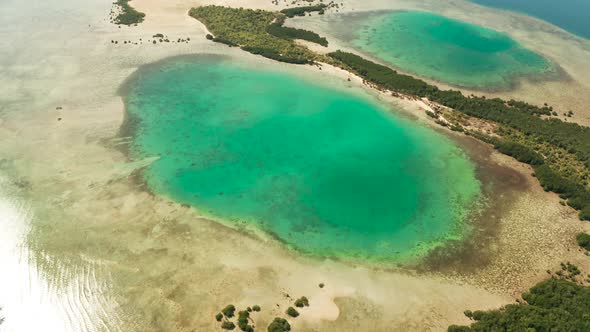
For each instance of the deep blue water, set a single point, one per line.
(570, 15)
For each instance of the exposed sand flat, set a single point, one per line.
(160, 266)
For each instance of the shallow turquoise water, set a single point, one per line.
(327, 172)
(570, 15)
(448, 50)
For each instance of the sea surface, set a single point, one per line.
(446, 50)
(570, 15)
(327, 172)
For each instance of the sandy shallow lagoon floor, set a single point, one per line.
(88, 248)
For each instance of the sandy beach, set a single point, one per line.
(123, 259)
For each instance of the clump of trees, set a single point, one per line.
(248, 29)
(279, 325)
(128, 15)
(301, 11)
(302, 302)
(519, 116)
(227, 325)
(292, 312)
(568, 271)
(229, 311)
(245, 323)
(244, 320)
(583, 240)
(519, 152)
(271, 53)
(278, 30)
(577, 194)
(552, 305)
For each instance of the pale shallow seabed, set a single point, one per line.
(443, 49)
(158, 265)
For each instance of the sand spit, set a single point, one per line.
(164, 267)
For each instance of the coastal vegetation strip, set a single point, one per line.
(301, 11)
(555, 304)
(249, 30)
(278, 30)
(126, 14)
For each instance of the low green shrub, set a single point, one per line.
(227, 325)
(279, 325)
(551, 305)
(583, 240)
(292, 312)
(302, 302)
(128, 14)
(301, 11)
(229, 311)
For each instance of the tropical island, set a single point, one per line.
(255, 168)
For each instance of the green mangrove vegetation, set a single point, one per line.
(126, 14)
(546, 144)
(227, 325)
(229, 311)
(302, 302)
(243, 318)
(552, 305)
(519, 152)
(244, 321)
(301, 11)
(292, 312)
(248, 29)
(583, 241)
(279, 325)
(278, 30)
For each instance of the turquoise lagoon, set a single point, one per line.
(570, 15)
(446, 50)
(326, 171)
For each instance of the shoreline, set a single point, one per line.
(84, 208)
